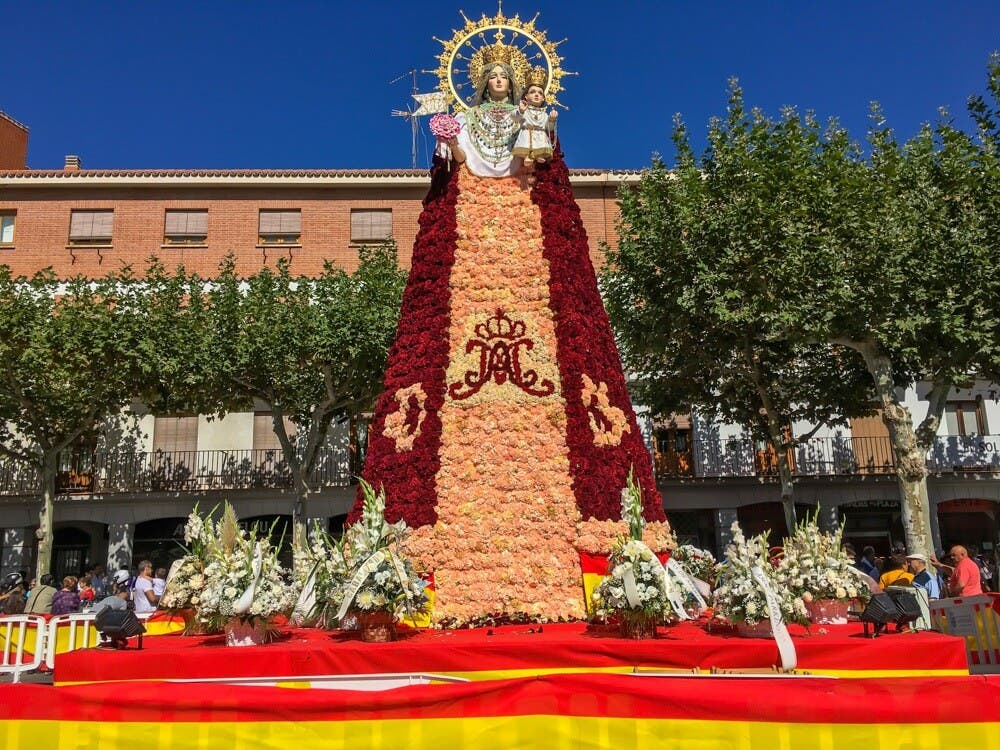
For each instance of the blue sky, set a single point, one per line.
(306, 84)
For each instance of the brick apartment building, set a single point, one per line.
(90, 222)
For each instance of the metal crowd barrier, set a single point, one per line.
(31, 641)
(23, 641)
(977, 619)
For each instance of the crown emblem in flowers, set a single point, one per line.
(500, 326)
(500, 344)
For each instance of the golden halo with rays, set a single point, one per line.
(466, 54)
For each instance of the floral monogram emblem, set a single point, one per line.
(607, 422)
(403, 425)
(500, 343)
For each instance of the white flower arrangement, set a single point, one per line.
(243, 578)
(636, 586)
(635, 582)
(321, 570)
(698, 563)
(739, 596)
(813, 565)
(186, 580)
(371, 574)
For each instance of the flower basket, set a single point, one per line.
(376, 627)
(637, 625)
(761, 629)
(252, 632)
(827, 611)
(192, 625)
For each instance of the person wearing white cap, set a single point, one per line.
(118, 599)
(923, 578)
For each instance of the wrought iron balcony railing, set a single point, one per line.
(193, 471)
(177, 471)
(845, 456)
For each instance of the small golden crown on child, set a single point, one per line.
(537, 76)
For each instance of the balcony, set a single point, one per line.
(199, 471)
(180, 471)
(834, 456)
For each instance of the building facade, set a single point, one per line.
(122, 501)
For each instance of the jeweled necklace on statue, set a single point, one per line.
(493, 130)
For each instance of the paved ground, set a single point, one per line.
(34, 678)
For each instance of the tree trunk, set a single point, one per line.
(300, 535)
(300, 472)
(779, 431)
(911, 459)
(49, 469)
(787, 490)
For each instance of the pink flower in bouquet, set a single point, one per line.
(445, 126)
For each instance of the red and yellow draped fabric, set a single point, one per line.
(505, 432)
(552, 712)
(516, 651)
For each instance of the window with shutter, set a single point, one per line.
(175, 434)
(7, 227)
(371, 224)
(264, 438)
(90, 227)
(282, 227)
(964, 418)
(185, 227)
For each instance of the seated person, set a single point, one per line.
(923, 578)
(895, 573)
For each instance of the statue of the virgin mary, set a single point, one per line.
(505, 434)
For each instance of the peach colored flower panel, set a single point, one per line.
(403, 425)
(607, 422)
(507, 516)
(599, 537)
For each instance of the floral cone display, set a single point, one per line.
(505, 421)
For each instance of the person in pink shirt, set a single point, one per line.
(964, 580)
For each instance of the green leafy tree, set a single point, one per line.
(67, 362)
(908, 278)
(312, 349)
(695, 293)
(796, 234)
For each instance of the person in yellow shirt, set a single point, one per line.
(895, 573)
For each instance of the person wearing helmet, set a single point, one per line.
(13, 597)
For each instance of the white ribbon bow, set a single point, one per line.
(786, 649)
